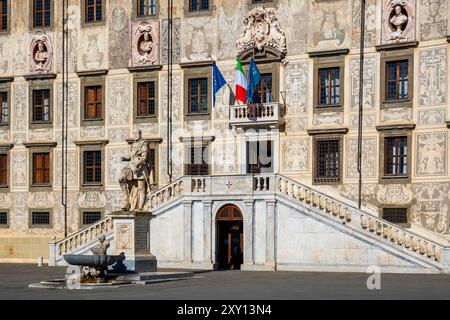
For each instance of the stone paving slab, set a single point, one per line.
(226, 285)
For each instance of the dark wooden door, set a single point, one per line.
(230, 238)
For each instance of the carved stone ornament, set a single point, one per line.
(261, 28)
(145, 43)
(398, 20)
(41, 53)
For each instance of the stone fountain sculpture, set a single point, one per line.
(94, 266)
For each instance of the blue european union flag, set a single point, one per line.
(254, 78)
(218, 82)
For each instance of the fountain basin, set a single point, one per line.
(94, 261)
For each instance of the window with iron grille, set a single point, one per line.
(40, 218)
(41, 106)
(41, 168)
(90, 217)
(93, 10)
(329, 86)
(198, 5)
(3, 218)
(92, 167)
(396, 156)
(198, 165)
(395, 215)
(259, 156)
(42, 13)
(397, 80)
(146, 96)
(198, 95)
(146, 8)
(328, 160)
(93, 109)
(263, 90)
(4, 108)
(261, 1)
(3, 169)
(4, 15)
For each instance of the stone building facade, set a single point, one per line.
(119, 49)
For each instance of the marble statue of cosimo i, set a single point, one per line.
(135, 178)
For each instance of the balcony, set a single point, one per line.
(257, 115)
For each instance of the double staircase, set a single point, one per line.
(364, 224)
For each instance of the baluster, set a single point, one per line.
(408, 241)
(342, 212)
(394, 233)
(401, 238)
(348, 216)
(385, 231)
(415, 244)
(256, 181)
(379, 228)
(437, 253)
(430, 250)
(372, 225)
(295, 191)
(364, 221)
(302, 195)
(422, 246)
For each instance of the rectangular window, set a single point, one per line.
(3, 170)
(397, 80)
(198, 5)
(4, 108)
(90, 217)
(92, 167)
(395, 215)
(3, 218)
(93, 109)
(41, 106)
(263, 91)
(327, 160)
(41, 168)
(93, 11)
(146, 8)
(329, 86)
(41, 9)
(259, 156)
(40, 218)
(396, 156)
(198, 165)
(146, 96)
(4, 15)
(198, 95)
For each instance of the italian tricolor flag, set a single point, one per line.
(241, 83)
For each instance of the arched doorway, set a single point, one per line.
(230, 244)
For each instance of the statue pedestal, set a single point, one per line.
(132, 240)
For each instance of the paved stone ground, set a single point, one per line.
(14, 280)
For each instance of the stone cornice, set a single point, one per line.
(156, 67)
(40, 76)
(397, 46)
(38, 144)
(198, 138)
(313, 132)
(6, 79)
(92, 73)
(7, 146)
(90, 142)
(396, 126)
(149, 140)
(328, 53)
(196, 64)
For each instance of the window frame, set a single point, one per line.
(386, 179)
(406, 224)
(391, 56)
(32, 16)
(41, 226)
(43, 169)
(191, 13)
(84, 22)
(91, 81)
(7, 30)
(34, 105)
(397, 81)
(389, 157)
(141, 78)
(84, 168)
(6, 88)
(135, 11)
(83, 211)
(319, 180)
(37, 85)
(8, 218)
(329, 71)
(5, 186)
(327, 62)
(195, 73)
(260, 167)
(189, 143)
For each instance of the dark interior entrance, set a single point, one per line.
(229, 238)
